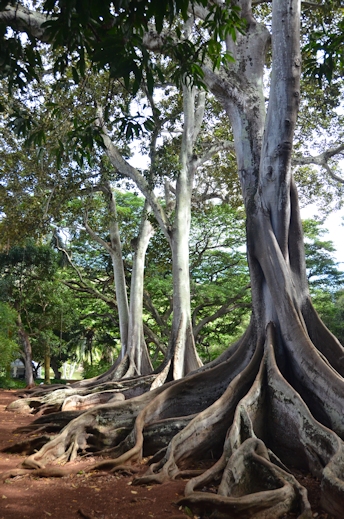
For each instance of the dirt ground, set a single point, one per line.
(91, 495)
(82, 495)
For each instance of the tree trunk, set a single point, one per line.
(24, 340)
(47, 366)
(140, 363)
(134, 357)
(185, 357)
(181, 357)
(56, 367)
(118, 272)
(182, 350)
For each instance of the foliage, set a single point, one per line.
(326, 281)
(330, 306)
(111, 34)
(322, 270)
(324, 50)
(30, 286)
(8, 335)
(10, 383)
(95, 369)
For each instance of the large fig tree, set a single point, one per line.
(275, 400)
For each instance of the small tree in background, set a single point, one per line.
(8, 338)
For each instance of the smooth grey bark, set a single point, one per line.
(137, 348)
(181, 356)
(118, 269)
(182, 340)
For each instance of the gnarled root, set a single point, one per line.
(254, 479)
(119, 429)
(251, 486)
(242, 412)
(79, 398)
(87, 401)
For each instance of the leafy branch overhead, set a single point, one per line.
(111, 36)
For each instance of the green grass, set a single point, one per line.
(11, 383)
(16, 383)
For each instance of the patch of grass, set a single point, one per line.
(94, 370)
(10, 383)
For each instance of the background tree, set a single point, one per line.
(30, 287)
(325, 279)
(8, 338)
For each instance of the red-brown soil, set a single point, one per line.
(82, 495)
(91, 495)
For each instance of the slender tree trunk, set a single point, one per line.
(47, 365)
(181, 356)
(137, 348)
(24, 340)
(185, 357)
(182, 351)
(118, 271)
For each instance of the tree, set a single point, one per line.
(275, 399)
(322, 270)
(23, 269)
(8, 344)
(325, 279)
(134, 354)
(181, 356)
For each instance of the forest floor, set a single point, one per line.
(92, 495)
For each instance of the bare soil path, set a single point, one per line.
(78, 496)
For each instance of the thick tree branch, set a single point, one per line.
(82, 286)
(20, 18)
(85, 289)
(129, 171)
(148, 303)
(96, 237)
(152, 337)
(322, 160)
(216, 148)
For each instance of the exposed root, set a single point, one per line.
(125, 470)
(81, 398)
(119, 429)
(28, 446)
(88, 401)
(254, 482)
(48, 472)
(244, 413)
